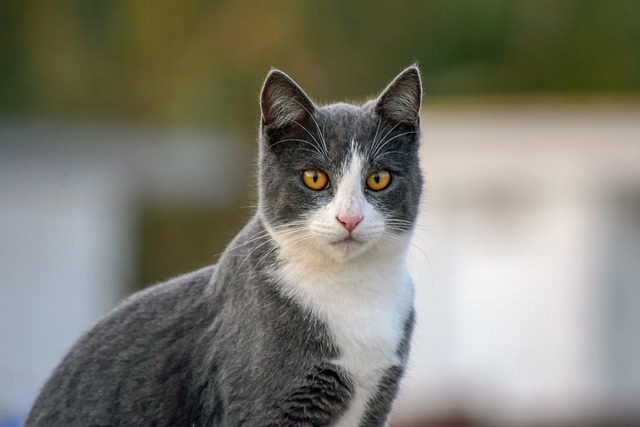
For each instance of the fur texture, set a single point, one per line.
(307, 317)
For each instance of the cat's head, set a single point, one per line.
(340, 180)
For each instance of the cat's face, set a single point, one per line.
(339, 181)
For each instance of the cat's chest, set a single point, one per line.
(367, 329)
(365, 309)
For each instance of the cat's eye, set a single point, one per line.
(378, 180)
(315, 179)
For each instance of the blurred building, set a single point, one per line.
(527, 266)
(71, 198)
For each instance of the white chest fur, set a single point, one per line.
(365, 306)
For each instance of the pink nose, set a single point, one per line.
(350, 222)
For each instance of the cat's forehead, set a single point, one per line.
(343, 123)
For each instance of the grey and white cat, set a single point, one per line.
(306, 319)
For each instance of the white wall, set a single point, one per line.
(69, 200)
(513, 311)
(65, 258)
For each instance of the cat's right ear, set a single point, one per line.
(400, 101)
(283, 103)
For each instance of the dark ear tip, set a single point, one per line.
(413, 69)
(412, 72)
(275, 75)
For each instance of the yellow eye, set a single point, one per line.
(315, 179)
(378, 180)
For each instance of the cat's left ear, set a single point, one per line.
(283, 102)
(400, 101)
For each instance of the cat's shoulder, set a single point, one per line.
(151, 309)
(178, 290)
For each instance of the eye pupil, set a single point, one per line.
(376, 178)
(315, 176)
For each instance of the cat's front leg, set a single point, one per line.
(319, 399)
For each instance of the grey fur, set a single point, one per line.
(224, 346)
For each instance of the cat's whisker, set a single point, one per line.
(315, 146)
(247, 257)
(418, 257)
(258, 236)
(323, 139)
(260, 260)
(377, 134)
(387, 141)
(375, 137)
(320, 132)
(375, 148)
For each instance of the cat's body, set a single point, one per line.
(305, 320)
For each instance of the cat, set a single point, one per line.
(307, 317)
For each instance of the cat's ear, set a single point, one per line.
(400, 101)
(283, 102)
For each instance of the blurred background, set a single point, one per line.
(127, 154)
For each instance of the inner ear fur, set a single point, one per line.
(400, 101)
(283, 102)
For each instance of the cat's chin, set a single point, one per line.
(347, 248)
(344, 254)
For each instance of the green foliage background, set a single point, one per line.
(200, 62)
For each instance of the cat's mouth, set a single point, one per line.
(348, 240)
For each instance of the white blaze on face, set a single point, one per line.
(349, 203)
